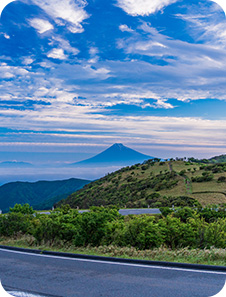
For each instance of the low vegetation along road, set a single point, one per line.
(65, 277)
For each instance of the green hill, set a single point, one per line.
(218, 159)
(40, 195)
(156, 184)
(213, 160)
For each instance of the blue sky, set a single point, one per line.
(77, 76)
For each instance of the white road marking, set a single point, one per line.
(115, 263)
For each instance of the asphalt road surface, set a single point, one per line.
(137, 211)
(64, 277)
(126, 211)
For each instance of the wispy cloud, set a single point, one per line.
(205, 25)
(63, 44)
(69, 13)
(136, 83)
(143, 7)
(125, 28)
(41, 25)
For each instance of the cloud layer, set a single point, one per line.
(149, 74)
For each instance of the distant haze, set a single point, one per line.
(56, 165)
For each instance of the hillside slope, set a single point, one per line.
(41, 194)
(155, 184)
(117, 154)
(218, 159)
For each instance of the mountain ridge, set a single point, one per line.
(10, 164)
(38, 193)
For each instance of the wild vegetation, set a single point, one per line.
(212, 256)
(156, 183)
(192, 235)
(189, 229)
(182, 227)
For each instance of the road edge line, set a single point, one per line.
(203, 267)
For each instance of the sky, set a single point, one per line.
(77, 76)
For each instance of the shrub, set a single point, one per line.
(25, 209)
(13, 223)
(221, 179)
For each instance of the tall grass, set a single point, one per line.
(211, 256)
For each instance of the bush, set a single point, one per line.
(13, 223)
(176, 233)
(141, 232)
(221, 179)
(25, 209)
(181, 227)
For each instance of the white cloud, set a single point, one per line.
(93, 51)
(198, 67)
(7, 72)
(125, 28)
(6, 36)
(55, 94)
(28, 61)
(6, 75)
(210, 30)
(64, 44)
(143, 7)
(94, 58)
(70, 11)
(46, 64)
(160, 103)
(171, 131)
(133, 98)
(41, 25)
(57, 53)
(100, 73)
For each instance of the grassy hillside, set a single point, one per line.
(41, 194)
(156, 184)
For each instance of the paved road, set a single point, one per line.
(63, 277)
(137, 211)
(127, 211)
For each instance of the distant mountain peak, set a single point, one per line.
(117, 145)
(117, 154)
(15, 164)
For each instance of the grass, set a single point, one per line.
(210, 256)
(209, 198)
(213, 197)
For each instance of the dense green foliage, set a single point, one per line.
(24, 209)
(40, 195)
(155, 184)
(181, 227)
